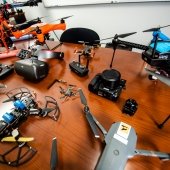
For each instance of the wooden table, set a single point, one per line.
(77, 147)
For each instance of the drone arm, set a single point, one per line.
(160, 35)
(130, 44)
(91, 122)
(161, 155)
(162, 78)
(91, 119)
(102, 129)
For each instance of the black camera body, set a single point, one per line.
(107, 84)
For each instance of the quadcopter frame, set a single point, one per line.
(24, 106)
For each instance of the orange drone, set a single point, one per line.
(41, 30)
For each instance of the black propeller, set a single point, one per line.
(45, 111)
(61, 19)
(90, 118)
(82, 97)
(118, 36)
(54, 155)
(155, 29)
(13, 98)
(38, 18)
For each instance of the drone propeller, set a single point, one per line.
(155, 29)
(45, 111)
(162, 78)
(27, 23)
(118, 36)
(90, 118)
(51, 108)
(38, 19)
(82, 97)
(54, 155)
(63, 18)
(13, 98)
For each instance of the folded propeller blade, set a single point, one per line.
(54, 155)
(82, 97)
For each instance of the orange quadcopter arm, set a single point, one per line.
(52, 27)
(44, 28)
(40, 38)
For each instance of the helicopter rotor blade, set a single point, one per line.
(82, 97)
(162, 78)
(54, 155)
(155, 29)
(119, 36)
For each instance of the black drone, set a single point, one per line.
(25, 105)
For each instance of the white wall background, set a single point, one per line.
(107, 20)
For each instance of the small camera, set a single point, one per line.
(107, 84)
(130, 107)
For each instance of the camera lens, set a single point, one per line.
(111, 78)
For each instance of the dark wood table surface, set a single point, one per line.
(77, 147)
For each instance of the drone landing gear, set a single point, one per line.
(21, 151)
